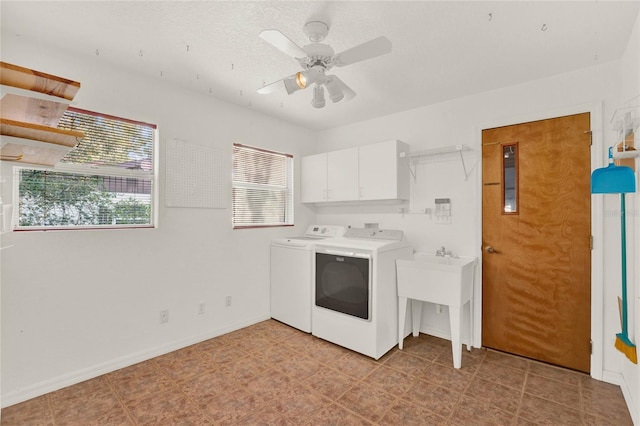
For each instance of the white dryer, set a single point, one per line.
(355, 292)
(292, 269)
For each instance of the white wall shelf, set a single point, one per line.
(626, 122)
(441, 152)
(626, 154)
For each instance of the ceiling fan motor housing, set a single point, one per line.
(318, 54)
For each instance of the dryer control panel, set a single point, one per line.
(324, 231)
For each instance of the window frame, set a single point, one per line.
(289, 190)
(92, 170)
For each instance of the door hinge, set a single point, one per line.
(590, 133)
(591, 241)
(590, 347)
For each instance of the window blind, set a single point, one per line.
(109, 141)
(106, 181)
(262, 187)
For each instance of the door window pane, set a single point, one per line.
(510, 178)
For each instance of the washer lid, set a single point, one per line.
(377, 240)
(296, 241)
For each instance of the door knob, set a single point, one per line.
(490, 249)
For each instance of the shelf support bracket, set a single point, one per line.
(464, 167)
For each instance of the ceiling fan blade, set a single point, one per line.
(370, 49)
(288, 83)
(346, 90)
(271, 87)
(282, 42)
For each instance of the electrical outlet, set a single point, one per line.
(164, 316)
(201, 307)
(227, 301)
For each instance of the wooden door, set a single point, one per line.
(536, 232)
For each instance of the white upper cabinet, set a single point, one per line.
(342, 175)
(368, 173)
(384, 171)
(313, 178)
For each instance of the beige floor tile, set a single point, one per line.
(547, 412)
(335, 415)
(551, 390)
(273, 374)
(502, 374)
(367, 401)
(35, 411)
(390, 380)
(489, 392)
(437, 399)
(471, 411)
(408, 414)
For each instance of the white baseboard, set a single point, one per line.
(611, 377)
(633, 406)
(75, 377)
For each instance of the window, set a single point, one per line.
(510, 178)
(106, 181)
(262, 188)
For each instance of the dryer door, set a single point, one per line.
(343, 283)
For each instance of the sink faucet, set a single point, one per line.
(442, 252)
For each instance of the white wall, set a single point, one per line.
(460, 121)
(79, 303)
(630, 94)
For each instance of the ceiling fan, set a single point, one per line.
(316, 59)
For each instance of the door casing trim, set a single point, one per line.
(597, 223)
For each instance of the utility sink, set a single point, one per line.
(436, 279)
(440, 280)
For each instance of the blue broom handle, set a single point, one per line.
(623, 232)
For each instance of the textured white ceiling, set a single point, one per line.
(441, 50)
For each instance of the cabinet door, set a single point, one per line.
(342, 175)
(378, 171)
(313, 178)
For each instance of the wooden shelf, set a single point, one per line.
(37, 132)
(32, 154)
(31, 110)
(24, 78)
(31, 106)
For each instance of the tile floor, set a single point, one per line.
(271, 374)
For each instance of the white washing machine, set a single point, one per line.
(292, 269)
(355, 292)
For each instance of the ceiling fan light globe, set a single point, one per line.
(318, 100)
(291, 85)
(335, 93)
(301, 80)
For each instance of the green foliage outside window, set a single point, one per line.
(63, 199)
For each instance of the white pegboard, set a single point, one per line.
(196, 176)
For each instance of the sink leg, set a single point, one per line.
(416, 315)
(402, 316)
(470, 341)
(455, 320)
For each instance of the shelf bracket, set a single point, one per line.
(464, 167)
